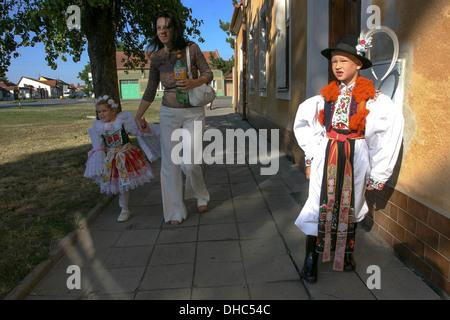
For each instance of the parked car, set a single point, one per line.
(79, 94)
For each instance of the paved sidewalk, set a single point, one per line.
(245, 246)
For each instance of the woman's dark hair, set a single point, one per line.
(179, 40)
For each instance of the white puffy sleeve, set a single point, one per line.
(129, 123)
(95, 163)
(384, 135)
(150, 142)
(308, 131)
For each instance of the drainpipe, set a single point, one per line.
(244, 59)
(233, 70)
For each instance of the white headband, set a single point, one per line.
(108, 100)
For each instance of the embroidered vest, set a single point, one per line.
(122, 134)
(329, 111)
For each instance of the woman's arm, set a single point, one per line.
(140, 121)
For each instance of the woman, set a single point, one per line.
(169, 42)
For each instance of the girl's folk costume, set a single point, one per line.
(115, 164)
(351, 137)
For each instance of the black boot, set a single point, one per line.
(349, 262)
(309, 271)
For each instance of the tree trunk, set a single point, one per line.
(100, 29)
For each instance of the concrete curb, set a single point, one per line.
(23, 289)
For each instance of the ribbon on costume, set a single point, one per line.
(92, 151)
(345, 199)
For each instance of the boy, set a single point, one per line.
(351, 135)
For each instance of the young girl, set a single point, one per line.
(113, 162)
(351, 135)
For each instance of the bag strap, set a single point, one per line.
(188, 61)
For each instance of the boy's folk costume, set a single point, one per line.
(351, 137)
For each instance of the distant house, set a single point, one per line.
(43, 88)
(132, 83)
(8, 90)
(33, 89)
(61, 88)
(80, 91)
(219, 79)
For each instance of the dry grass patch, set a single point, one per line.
(43, 194)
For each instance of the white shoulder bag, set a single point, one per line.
(199, 96)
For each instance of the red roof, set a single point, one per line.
(214, 53)
(8, 85)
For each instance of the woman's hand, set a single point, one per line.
(188, 84)
(142, 125)
(308, 172)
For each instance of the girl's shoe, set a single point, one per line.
(124, 216)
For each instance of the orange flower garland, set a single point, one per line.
(364, 89)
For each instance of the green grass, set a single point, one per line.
(43, 194)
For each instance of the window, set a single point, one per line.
(251, 59)
(283, 49)
(263, 52)
(130, 81)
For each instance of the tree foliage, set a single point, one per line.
(225, 26)
(84, 75)
(226, 66)
(104, 23)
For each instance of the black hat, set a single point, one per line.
(348, 43)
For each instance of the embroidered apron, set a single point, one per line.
(336, 228)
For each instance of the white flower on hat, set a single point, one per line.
(363, 46)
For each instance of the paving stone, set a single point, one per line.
(245, 246)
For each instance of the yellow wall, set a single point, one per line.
(423, 28)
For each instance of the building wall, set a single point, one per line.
(270, 111)
(141, 76)
(421, 28)
(413, 212)
(415, 216)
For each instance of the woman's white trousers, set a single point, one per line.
(190, 123)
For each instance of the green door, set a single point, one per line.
(129, 89)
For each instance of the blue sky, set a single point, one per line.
(32, 61)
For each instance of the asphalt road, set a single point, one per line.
(41, 103)
(220, 102)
